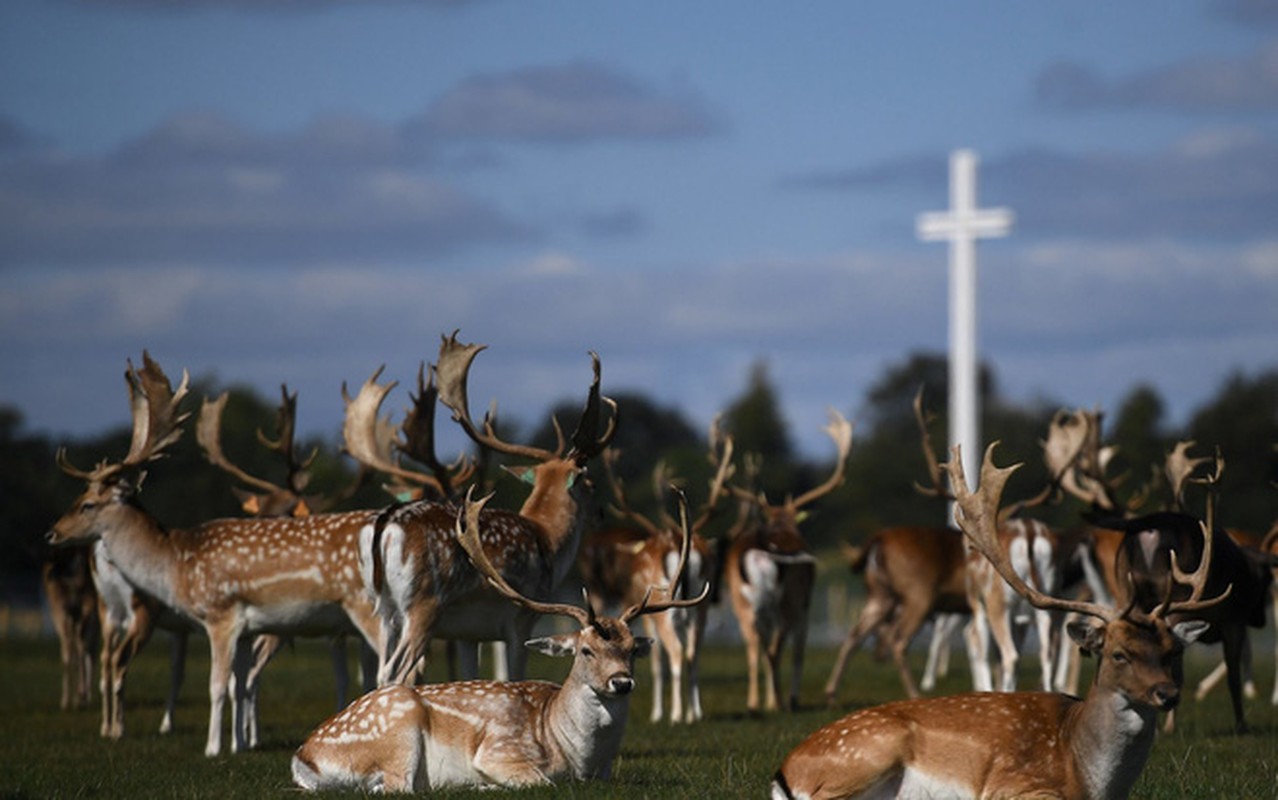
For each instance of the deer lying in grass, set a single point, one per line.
(1014, 744)
(491, 733)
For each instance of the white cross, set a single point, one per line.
(962, 225)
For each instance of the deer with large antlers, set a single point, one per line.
(264, 498)
(619, 570)
(998, 613)
(415, 570)
(234, 577)
(769, 573)
(1015, 744)
(491, 733)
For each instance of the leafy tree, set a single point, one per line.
(1242, 421)
(757, 426)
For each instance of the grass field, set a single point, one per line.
(45, 752)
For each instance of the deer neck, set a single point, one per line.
(143, 551)
(556, 508)
(1111, 737)
(587, 727)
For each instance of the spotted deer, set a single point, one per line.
(769, 573)
(416, 570)
(233, 577)
(492, 733)
(260, 497)
(1014, 744)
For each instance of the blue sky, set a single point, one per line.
(301, 190)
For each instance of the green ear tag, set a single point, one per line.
(528, 476)
(405, 496)
(572, 478)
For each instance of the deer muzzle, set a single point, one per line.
(1164, 696)
(620, 684)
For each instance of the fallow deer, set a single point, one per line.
(234, 577)
(491, 733)
(619, 570)
(912, 574)
(1034, 548)
(1016, 744)
(416, 571)
(67, 580)
(769, 572)
(260, 497)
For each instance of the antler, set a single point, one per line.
(452, 370)
(644, 606)
(1086, 479)
(1066, 437)
(371, 439)
(840, 430)
(924, 420)
(208, 433)
(620, 506)
(468, 537)
(157, 424)
(1178, 468)
(286, 429)
(720, 457)
(977, 515)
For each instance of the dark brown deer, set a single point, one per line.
(67, 580)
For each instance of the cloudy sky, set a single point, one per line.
(297, 191)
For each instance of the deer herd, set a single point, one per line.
(437, 562)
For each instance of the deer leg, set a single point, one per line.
(1046, 624)
(875, 612)
(695, 625)
(798, 650)
(977, 636)
(911, 619)
(752, 671)
(1001, 629)
(341, 671)
(1234, 639)
(938, 650)
(223, 635)
(177, 673)
(655, 662)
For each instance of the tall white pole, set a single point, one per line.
(964, 405)
(961, 226)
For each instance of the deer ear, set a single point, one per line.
(525, 474)
(643, 646)
(1188, 632)
(563, 645)
(1089, 634)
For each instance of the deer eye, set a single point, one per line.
(1120, 658)
(88, 505)
(587, 652)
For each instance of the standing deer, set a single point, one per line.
(1014, 744)
(417, 573)
(1032, 547)
(491, 733)
(769, 574)
(234, 577)
(270, 499)
(67, 580)
(620, 569)
(912, 574)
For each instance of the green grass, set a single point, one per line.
(45, 752)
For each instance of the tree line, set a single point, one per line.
(183, 489)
